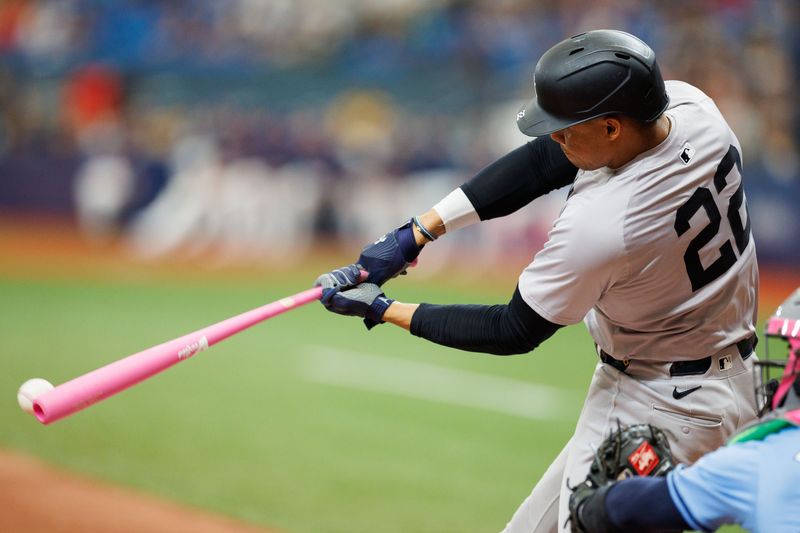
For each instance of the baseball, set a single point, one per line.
(30, 390)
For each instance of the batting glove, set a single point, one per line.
(338, 280)
(367, 301)
(390, 256)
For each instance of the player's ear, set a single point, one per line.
(613, 127)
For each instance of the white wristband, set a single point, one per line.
(456, 211)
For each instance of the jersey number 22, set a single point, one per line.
(701, 276)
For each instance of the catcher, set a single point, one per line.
(751, 482)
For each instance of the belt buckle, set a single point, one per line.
(619, 364)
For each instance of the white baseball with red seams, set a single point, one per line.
(30, 390)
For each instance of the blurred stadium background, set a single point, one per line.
(166, 164)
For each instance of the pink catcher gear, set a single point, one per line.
(781, 391)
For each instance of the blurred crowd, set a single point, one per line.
(251, 126)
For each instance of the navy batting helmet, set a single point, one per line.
(593, 74)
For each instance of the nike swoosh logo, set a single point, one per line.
(680, 394)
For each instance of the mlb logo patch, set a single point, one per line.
(687, 153)
(725, 363)
(644, 459)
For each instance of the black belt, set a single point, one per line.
(686, 368)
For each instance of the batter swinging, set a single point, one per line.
(652, 251)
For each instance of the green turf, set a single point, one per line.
(242, 430)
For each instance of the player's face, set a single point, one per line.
(587, 145)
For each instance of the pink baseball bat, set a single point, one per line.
(108, 380)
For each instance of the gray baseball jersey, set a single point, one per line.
(656, 256)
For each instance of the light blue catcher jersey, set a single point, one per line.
(755, 484)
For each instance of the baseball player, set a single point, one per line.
(751, 482)
(652, 251)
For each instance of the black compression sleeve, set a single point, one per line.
(499, 329)
(643, 504)
(518, 178)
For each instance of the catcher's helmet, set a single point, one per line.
(593, 74)
(782, 391)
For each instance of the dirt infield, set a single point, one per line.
(35, 497)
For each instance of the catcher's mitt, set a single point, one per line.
(639, 450)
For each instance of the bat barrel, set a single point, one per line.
(115, 377)
(103, 382)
